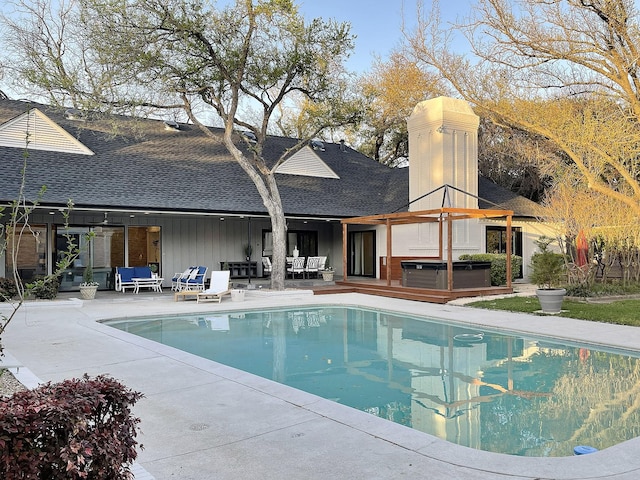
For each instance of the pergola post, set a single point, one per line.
(440, 246)
(344, 252)
(449, 253)
(389, 251)
(509, 251)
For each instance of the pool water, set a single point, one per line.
(486, 390)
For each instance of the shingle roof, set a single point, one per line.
(139, 164)
(503, 198)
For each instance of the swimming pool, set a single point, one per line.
(485, 390)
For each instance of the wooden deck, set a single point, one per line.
(373, 286)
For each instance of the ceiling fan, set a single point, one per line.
(103, 222)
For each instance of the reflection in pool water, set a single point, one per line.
(486, 390)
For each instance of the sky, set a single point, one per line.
(377, 23)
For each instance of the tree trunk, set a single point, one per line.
(267, 187)
(279, 232)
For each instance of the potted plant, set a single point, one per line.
(88, 287)
(327, 272)
(547, 271)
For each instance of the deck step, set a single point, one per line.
(407, 293)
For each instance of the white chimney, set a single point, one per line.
(443, 149)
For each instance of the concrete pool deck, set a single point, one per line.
(203, 420)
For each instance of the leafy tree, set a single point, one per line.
(239, 65)
(390, 92)
(565, 70)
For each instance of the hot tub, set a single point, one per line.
(433, 274)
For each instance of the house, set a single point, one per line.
(161, 193)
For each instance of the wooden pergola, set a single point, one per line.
(441, 216)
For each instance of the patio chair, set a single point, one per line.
(312, 266)
(266, 266)
(175, 280)
(195, 281)
(218, 287)
(297, 266)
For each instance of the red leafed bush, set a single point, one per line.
(76, 429)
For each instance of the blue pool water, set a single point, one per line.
(486, 390)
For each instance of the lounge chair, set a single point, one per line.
(195, 281)
(218, 287)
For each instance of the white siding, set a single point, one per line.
(42, 134)
(306, 163)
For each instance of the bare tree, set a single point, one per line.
(513, 158)
(238, 64)
(566, 70)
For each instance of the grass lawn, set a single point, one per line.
(622, 312)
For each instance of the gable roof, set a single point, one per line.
(41, 133)
(305, 162)
(141, 165)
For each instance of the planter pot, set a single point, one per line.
(237, 295)
(551, 300)
(88, 292)
(327, 276)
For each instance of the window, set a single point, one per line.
(497, 241)
(305, 240)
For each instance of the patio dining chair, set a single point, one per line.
(297, 266)
(266, 266)
(313, 263)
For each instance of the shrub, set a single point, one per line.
(8, 289)
(498, 265)
(79, 428)
(45, 288)
(579, 290)
(547, 267)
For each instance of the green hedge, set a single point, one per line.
(498, 265)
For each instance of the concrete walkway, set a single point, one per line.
(202, 420)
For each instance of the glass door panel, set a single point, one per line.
(30, 258)
(144, 247)
(104, 252)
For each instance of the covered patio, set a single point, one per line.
(389, 283)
